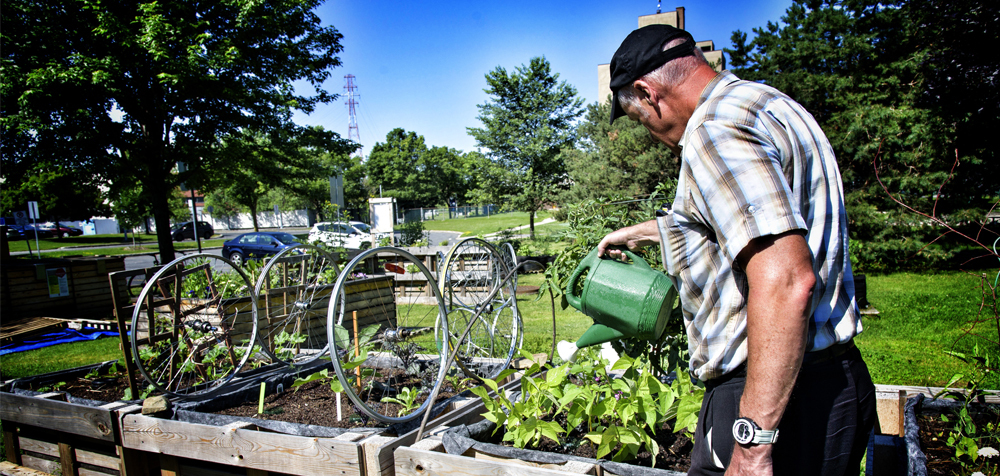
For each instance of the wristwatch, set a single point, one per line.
(746, 432)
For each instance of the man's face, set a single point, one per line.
(659, 118)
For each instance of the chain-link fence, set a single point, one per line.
(444, 213)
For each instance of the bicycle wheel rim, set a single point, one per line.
(195, 343)
(293, 293)
(404, 355)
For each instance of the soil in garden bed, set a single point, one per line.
(934, 439)
(315, 404)
(103, 389)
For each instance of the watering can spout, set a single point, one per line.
(598, 334)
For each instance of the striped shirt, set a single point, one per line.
(753, 163)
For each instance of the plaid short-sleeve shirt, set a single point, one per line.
(753, 163)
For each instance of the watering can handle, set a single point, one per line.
(573, 299)
(636, 259)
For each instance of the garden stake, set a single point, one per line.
(338, 406)
(260, 404)
(357, 350)
(454, 353)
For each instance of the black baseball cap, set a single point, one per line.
(642, 52)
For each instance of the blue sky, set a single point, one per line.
(421, 65)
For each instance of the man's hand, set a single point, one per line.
(633, 237)
(752, 461)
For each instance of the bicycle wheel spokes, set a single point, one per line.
(194, 325)
(382, 329)
(472, 269)
(294, 290)
(476, 276)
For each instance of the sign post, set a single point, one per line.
(33, 214)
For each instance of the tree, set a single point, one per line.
(622, 159)
(285, 159)
(126, 89)
(403, 167)
(864, 70)
(526, 123)
(61, 193)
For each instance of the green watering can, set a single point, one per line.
(623, 299)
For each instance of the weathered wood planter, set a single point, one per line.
(237, 445)
(55, 433)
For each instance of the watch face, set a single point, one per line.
(743, 431)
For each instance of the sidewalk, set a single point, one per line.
(523, 227)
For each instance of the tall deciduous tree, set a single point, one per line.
(526, 123)
(865, 70)
(125, 89)
(403, 167)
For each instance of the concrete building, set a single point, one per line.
(674, 19)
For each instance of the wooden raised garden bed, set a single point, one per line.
(238, 445)
(56, 433)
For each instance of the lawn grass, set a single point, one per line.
(59, 357)
(84, 240)
(476, 226)
(922, 316)
(140, 248)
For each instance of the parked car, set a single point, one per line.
(340, 233)
(257, 245)
(63, 230)
(16, 232)
(31, 230)
(186, 231)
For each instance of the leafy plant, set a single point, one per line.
(407, 399)
(617, 414)
(142, 395)
(285, 343)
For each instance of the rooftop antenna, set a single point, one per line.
(352, 125)
(657, 8)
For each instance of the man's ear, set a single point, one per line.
(645, 92)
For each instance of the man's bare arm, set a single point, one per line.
(781, 279)
(634, 237)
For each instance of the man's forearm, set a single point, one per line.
(780, 277)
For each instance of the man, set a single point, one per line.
(756, 243)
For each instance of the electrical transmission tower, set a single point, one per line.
(352, 126)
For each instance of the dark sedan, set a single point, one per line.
(257, 245)
(61, 231)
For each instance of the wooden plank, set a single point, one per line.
(38, 446)
(97, 459)
(991, 396)
(243, 448)
(575, 467)
(414, 462)
(43, 465)
(82, 471)
(93, 422)
(12, 469)
(67, 459)
(11, 445)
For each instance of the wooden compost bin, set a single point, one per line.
(47, 432)
(57, 287)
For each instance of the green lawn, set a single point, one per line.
(68, 246)
(922, 316)
(476, 226)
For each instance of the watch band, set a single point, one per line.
(747, 432)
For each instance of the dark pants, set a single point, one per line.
(824, 430)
